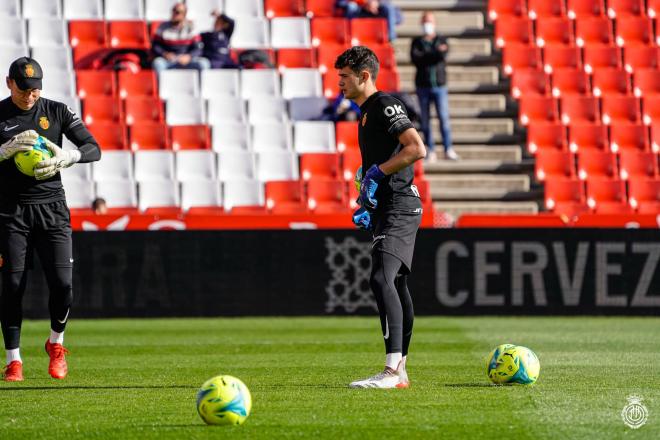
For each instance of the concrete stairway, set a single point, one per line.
(493, 174)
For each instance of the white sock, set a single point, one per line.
(56, 338)
(392, 360)
(14, 355)
(403, 361)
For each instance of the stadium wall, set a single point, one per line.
(456, 272)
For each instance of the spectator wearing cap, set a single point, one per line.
(216, 42)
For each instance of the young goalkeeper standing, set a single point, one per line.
(390, 205)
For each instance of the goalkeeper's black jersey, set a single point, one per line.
(50, 119)
(384, 119)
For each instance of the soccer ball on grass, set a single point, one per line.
(224, 400)
(509, 363)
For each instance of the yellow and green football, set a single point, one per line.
(509, 363)
(224, 400)
(25, 161)
(357, 180)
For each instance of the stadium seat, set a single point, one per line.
(195, 165)
(346, 135)
(553, 164)
(314, 137)
(351, 160)
(640, 57)
(234, 165)
(535, 109)
(647, 82)
(620, 109)
(529, 82)
(93, 83)
(128, 34)
(124, 10)
(565, 197)
(140, 109)
(636, 164)
(618, 8)
(13, 33)
(518, 56)
(250, 33)
(387, 80)
(320, 166)
(82, 172)
(569, 81)
(513, 30)
(593, 30)
(284, 8)
(653, 8)
(544, 9)
(226, 109)
(633, 30)
(385, 55)
(628, 136)
(9, 53)
(160, 194)
(290, 32)
(607, 81)
(117, 194)
(295, 58)
(199, 11)
(651, 109)
(190, 137)
(554, 30)
(331, 86)
(142, 83)
(368, 31)
(330, 30)
(276, 165)
(560, 56)
(326, 196)
(58, 83)
(579, 109)
(149, 136)
(584, 136)
(270, 136)
(546, 137)
(228, 136)
(32, 9)
(102, 109)
(285, 197)
(307, 109)
(597, 56)
(505, 8)
(115, 166)
(47, 32)
(298, 83)
(201, 194)
(83, 9)
(178, 82)
(644, 195)
(220, 82)
(259, 82)
(327, 55)
(185, 110)
(267, 109)
(585, 8)
(110, 136)
(594, 163)
(606, 196)
(53, 58)
(320, 8)
(88, 33)
(79, 194)
(241, 193)
(249, 8)
(153, 165)
(158, 10)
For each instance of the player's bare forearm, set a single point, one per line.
(412, 151)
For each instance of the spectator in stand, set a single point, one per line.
(428, 54)
(99, 206)
(216, 42)
(341, 109)
(373, 9)
(176, 45)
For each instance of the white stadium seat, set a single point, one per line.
(250, 33)
(9, 53)
(299, 83)
(201, 193)
(115, 166)
(267, 109)
(195, 165)
(83, 9)
(290, 32)
(80, 172)
(230, 136)
(124, 10)
(48, 32)
(10, 9)
(307, 109)
(12, 32)
(184, 110)
(314, 137)
(278, 165)
(225, 109)
(42, 9)
(248, 8)
(79, 193)
(177, 82)
(220, 82)
(159, 10)
(271, 137)
(243, 193)
(259, 82)
(153, 165)
(235, 165)
(158, 194)
(118, 193)
(58, 83)
(199, 11)
(53, 58)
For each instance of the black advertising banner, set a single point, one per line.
(455, 272)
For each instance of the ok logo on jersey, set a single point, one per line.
(392, 110)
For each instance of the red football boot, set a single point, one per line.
(14, 371)
(57, 366)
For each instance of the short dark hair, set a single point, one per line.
(359, 58)
(98, 202)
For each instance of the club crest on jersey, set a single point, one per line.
(364, 119)
(29, 70)
(43, 123)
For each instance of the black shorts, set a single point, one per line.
(395, 233)
(44, 228)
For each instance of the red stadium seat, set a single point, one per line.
(102, 109)
(565, 197)
(96, 83)
(570, 81)
(351, 160)
(140, 109)
(320, 8)
(644, 195)
(142, 83)
(330, 30)
(551, 164)
(109, 135)
(320, 166)
(594, 163)
(628, 137)
(388, 81)
(553, 30)
(284, 8)
(545, 8)
(88, 33)
(190, 137)
(534, 109)
(330, 85)
(620, 109)
(579, 109)
(149, 136)
(327, 55)
(585, 8)
(385, 54)
(641, 57)
(590, 31)
(506, 8)
(596, 57)
(346, 134)
(546, 137)
(653, 8)
(518, 56)
(529, 82)
(128, 34)
(588, 136)
(647, 82)
(606, 196)
(513, 30)
(633, 30)
(638, 165)
(560, 56)
(285, 197)
(368, 31)
(606, 81)
(326, 196)
(618, 8)
(295, 58)
(651, 109)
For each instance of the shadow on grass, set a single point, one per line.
(470, 385)
(98, 387)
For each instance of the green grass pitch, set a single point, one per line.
(137, 379)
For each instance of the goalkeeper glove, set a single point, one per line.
(61, 159)
(369, 186)
(362, 219)
(17, 144)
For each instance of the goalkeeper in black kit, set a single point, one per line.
(390, 206)
(34, 216)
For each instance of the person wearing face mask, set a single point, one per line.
(428, 54)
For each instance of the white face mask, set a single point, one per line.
(429, 28)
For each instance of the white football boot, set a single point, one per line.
(388, 378)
